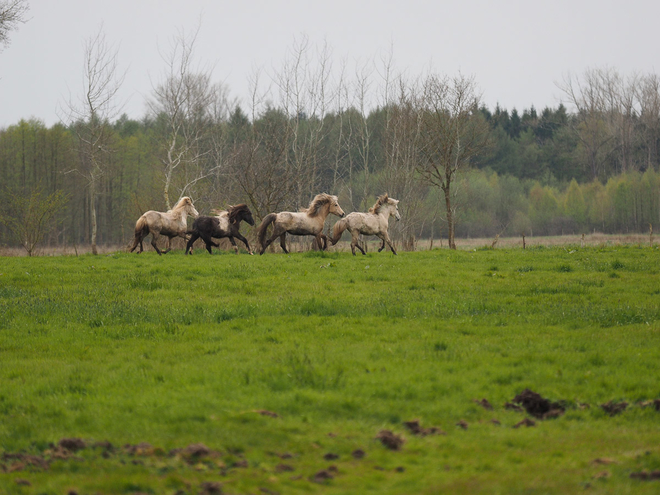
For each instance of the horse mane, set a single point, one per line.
(319, 201)
(382, 200)
(235, 211)
(181, 204)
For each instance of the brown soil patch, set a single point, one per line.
(495, 422)
(416, 429)
(603, 461)
(72, 444)
(210, 488)
(22, 461)
(283, 468)
(484, 403)
(358, 454)
(322, 476)
(270, 414)
(646, 476)
(143, 448)
(613, 408)
(390, 439)
(196, 450)
(525, 422)
(330, 456)
(513, 407)
(538, 406)
(654, 403)
(462, 424)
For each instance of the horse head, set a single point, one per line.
(187, 205)
(395, 211)
(240, 212)
(335, 209)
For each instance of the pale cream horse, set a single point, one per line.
(308, 221)
(170, 224)
(372, 223)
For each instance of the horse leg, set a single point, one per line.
(382, 246)
(154, 239)
(323, 237)
(355, 238)
(192, 240)
(277, 232)
(386, 238)
(233, 243)
(245, 241)
(208, 241)
(169, 245)
(283, 242)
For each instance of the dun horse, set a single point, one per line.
(225, 224)
(308, 221)
(170, 224)
(372, 223)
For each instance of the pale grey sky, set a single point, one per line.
(516, 50)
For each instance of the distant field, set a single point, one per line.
(282, 374)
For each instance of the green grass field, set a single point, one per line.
(284, 366)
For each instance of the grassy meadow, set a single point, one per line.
(275, 374)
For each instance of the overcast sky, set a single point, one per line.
(516, 50)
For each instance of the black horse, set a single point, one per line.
(225, 224)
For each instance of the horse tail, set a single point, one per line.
(141, 227)
(338, 230)
(141, 231)
(263, 227)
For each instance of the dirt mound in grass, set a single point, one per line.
(390, 440)
(613, 408)
(72, 444)
(211, 488)
(484, 403)
(322, 476)
(538, 406)
(358, 454)
(19, 462)
(646, 476)
(416, 429)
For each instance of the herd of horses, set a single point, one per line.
(226, 224)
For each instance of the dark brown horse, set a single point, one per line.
(225, 224)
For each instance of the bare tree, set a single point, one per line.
(648, 98)
(12, 13)
(189, 106)
(28, 216)
(92, 113)
(595, 98)
(453, 132)
(400, 142)
(259, 148)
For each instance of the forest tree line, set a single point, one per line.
(592, 165)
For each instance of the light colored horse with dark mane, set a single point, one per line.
(308, 221)
(170, 224)
(373, 222)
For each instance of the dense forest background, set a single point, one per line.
(588, 164)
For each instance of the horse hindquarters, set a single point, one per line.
(141, 231)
